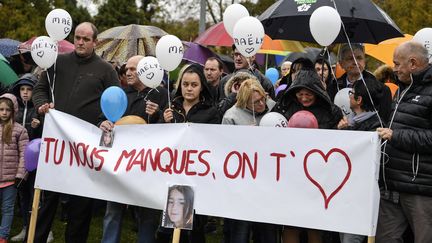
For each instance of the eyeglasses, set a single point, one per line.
(351, 93)
(236, 54)
(260, 101)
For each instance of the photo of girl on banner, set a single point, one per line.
(179, 208)
(107, 139)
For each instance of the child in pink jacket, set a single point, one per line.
(13, 140)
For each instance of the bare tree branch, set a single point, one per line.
(210, 9)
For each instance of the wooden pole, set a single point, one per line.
(35, 208)
(176, 235)
(371, 239)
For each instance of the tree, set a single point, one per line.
(410, 16)
(118, 12)
(22, 19)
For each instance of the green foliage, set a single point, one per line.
(255, 9)
(118, 12)
(186, 30)
(23, 19)
(410, 16)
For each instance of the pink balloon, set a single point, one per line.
(303, 119)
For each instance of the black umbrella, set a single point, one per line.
(312, 54)
(364, 21)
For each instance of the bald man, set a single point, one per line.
(406, 196)
(80, 77)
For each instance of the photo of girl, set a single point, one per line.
(178, 211)
(107, 139)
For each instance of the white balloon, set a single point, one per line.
(58, 24)
(150, 72)
(231, 15)
(343, 101)
(424, 37)
(44, 51)
(325, 23)
(248, 36)
(273, 119)
(169, 52)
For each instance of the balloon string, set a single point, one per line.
(169, 96)
(249, 65)
(52, 84)
(253, 113)
(331, 69)
(358, 68)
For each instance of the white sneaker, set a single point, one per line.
(50, 237)
(20, 236)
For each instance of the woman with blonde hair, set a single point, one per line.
(252, 104)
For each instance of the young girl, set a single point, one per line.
(193, 101)
(14, 139)
(179, 209)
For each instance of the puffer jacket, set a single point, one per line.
(327, 114)
(12, 155)
(409, 168)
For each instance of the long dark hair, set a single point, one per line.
(8, 125)
(188, 195)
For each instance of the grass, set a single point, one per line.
(128, 233)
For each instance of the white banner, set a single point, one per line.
(322, 179)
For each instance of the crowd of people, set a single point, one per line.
(402, 118)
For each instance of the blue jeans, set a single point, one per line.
(113, 221)
(8, 195)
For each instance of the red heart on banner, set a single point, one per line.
(317, 184)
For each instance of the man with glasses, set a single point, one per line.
(353, 60)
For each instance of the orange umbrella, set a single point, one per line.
(277, 47)
(384, 50)
(216, 35)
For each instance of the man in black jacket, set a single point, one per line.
(353, 73)
(75, 85)
(406, 181)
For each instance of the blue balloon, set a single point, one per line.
(272, 74)
(113, 103)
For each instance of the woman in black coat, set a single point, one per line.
(307, 93)
(193, 101)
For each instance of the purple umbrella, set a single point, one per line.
(197, 53)
(8, 47)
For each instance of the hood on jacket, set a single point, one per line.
(238, 78)
(27, 79)
(308, 79)
(206, 94)
(13, 99)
